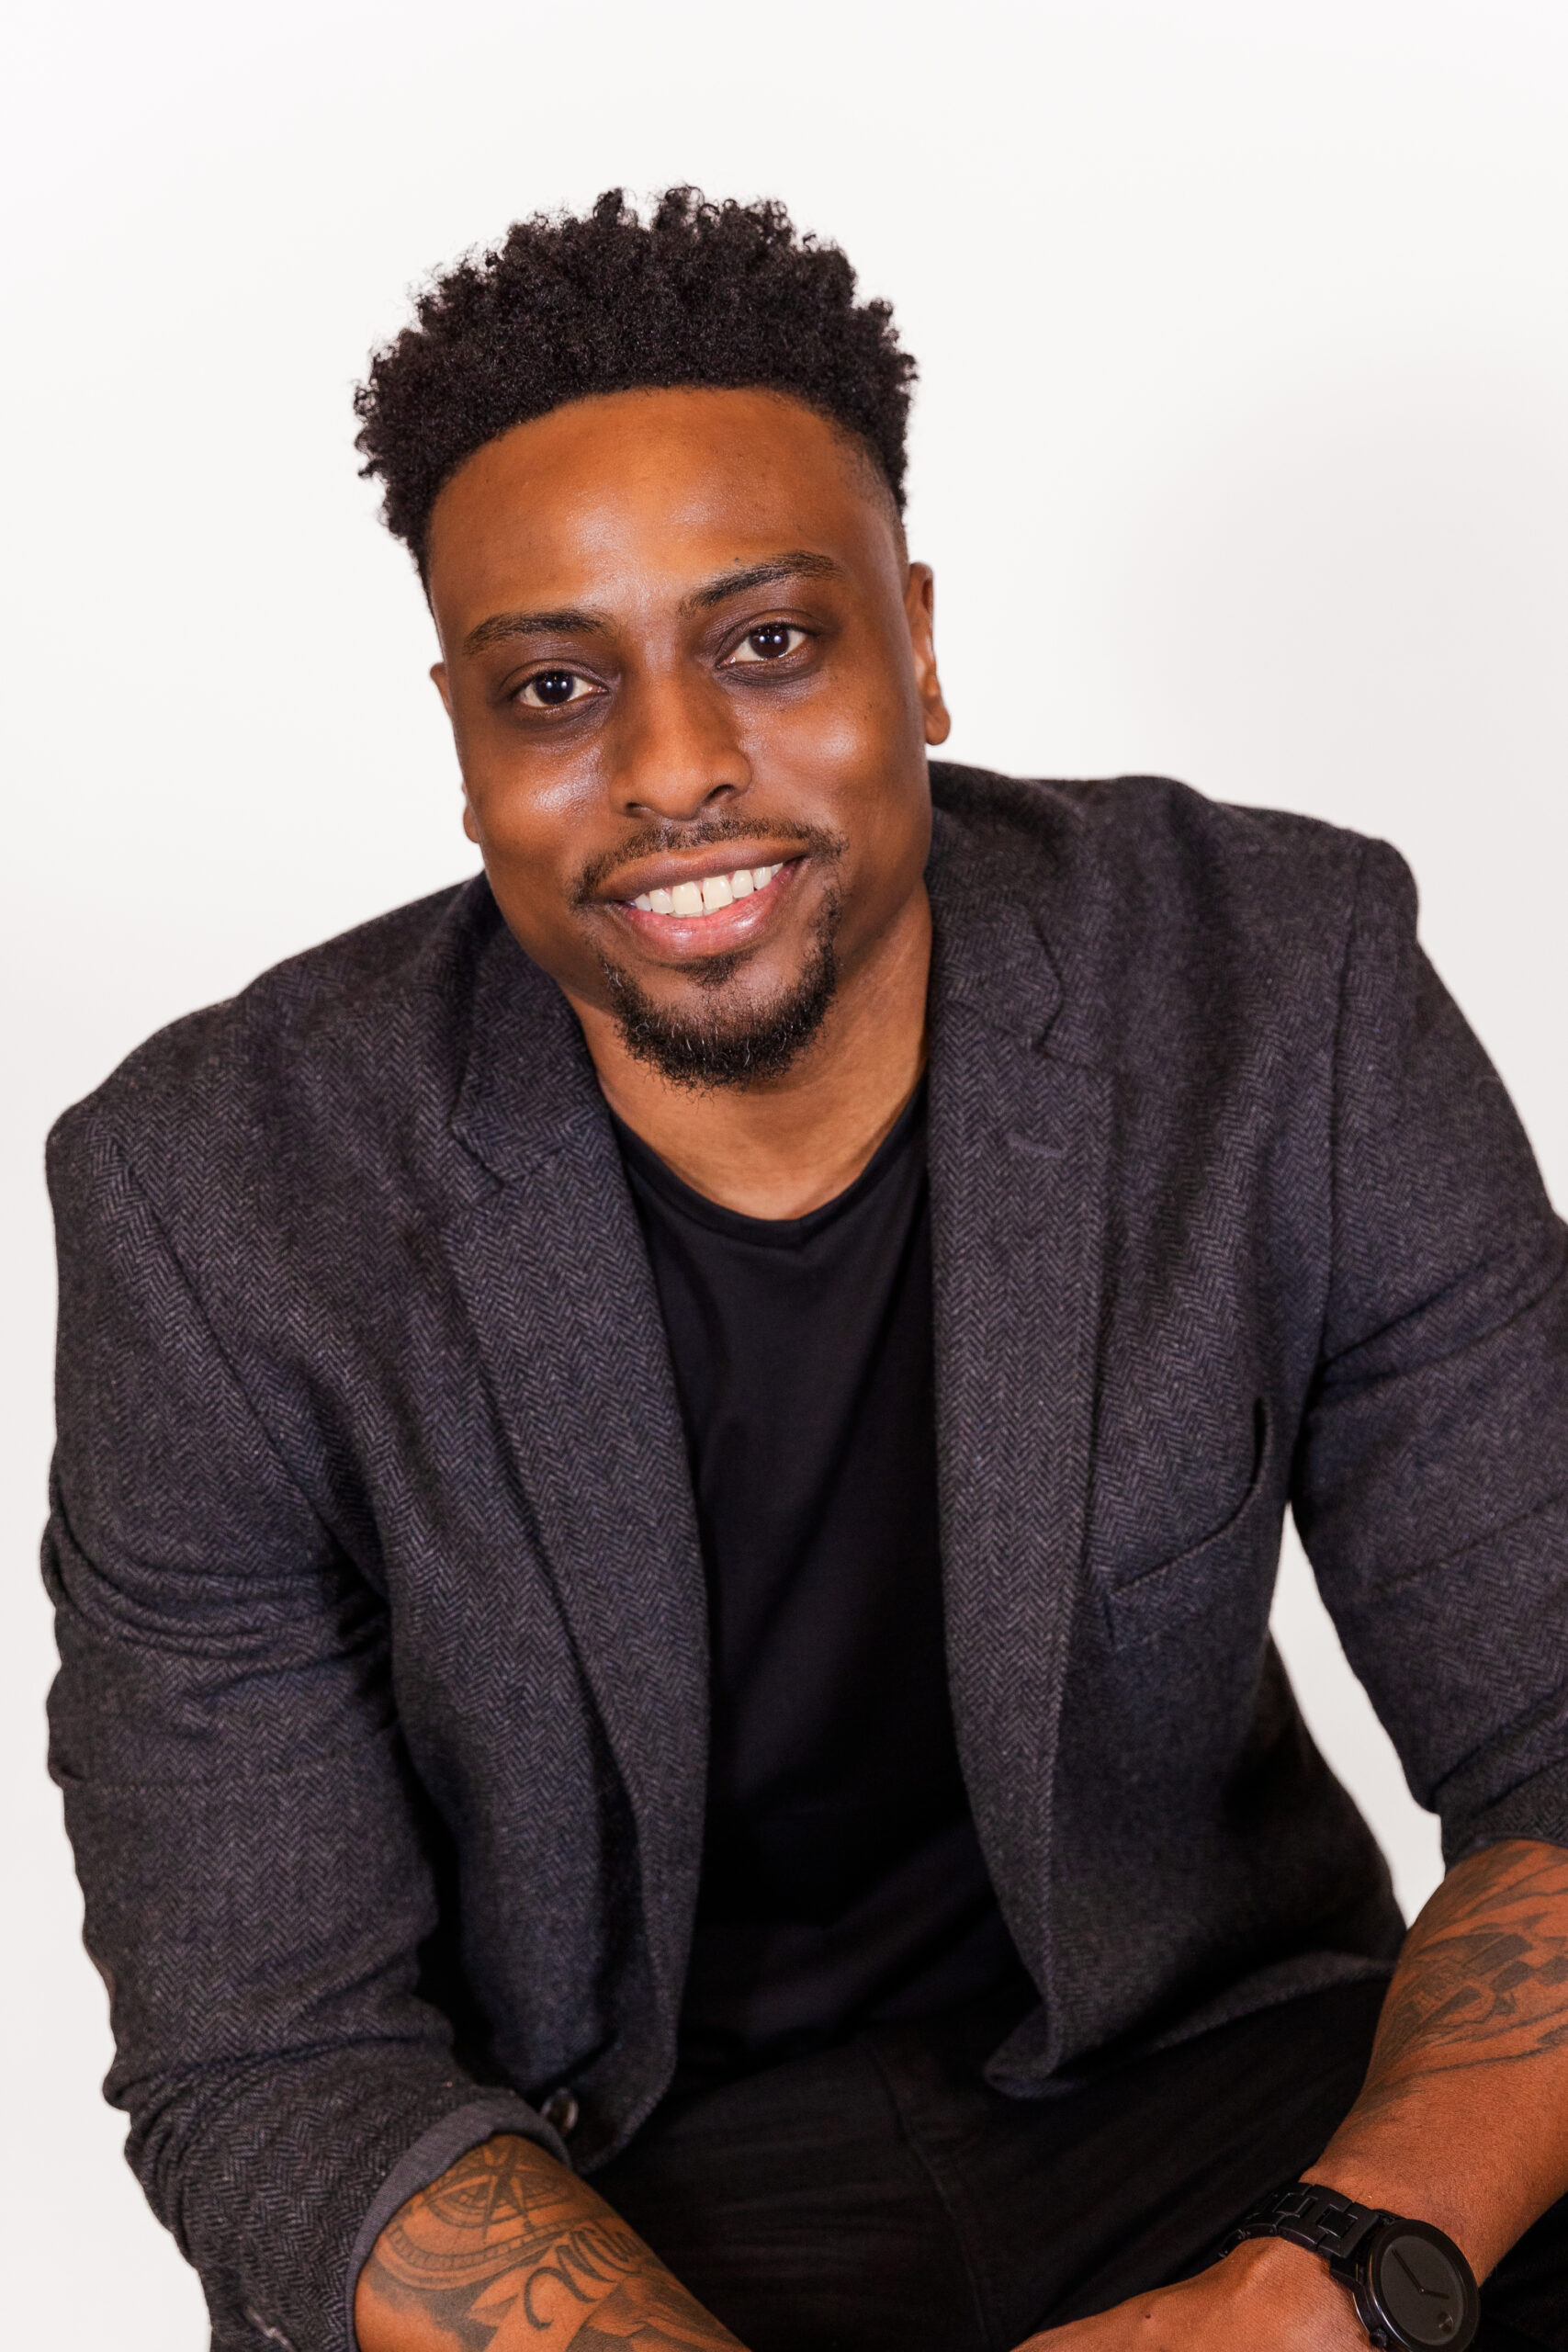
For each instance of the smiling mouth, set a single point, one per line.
(708, 894)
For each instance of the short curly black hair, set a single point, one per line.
(726, 295)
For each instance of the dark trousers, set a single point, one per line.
(882, 2198)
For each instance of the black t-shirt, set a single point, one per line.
(842, 1880)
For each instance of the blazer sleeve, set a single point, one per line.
(1430, 1484)
(245, 1821)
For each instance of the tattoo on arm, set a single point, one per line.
(507, 2245)
(1483, 1976)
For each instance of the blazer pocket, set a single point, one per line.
(1160, 1601)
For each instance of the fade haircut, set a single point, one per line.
(729, 295)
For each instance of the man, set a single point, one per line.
(672, 1465)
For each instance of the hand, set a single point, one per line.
(1266, 2297)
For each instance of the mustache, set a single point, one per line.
(707, 832)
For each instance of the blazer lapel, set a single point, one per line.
(1019, 1143)
(555, 1275)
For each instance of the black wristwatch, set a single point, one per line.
(1412, 2286)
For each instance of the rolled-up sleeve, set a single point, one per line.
(245, 1821)
(1430, 1485)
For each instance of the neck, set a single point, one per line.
(782, 1147)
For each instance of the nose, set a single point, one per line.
(680, 750)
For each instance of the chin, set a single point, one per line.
(719, 1035)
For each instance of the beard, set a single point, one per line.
(724, 1047)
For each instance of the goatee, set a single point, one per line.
(722, 1048)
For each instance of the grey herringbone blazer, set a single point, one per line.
(381, 1716)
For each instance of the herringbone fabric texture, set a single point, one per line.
(380, 1717)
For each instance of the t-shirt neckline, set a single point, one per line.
(778, 1232)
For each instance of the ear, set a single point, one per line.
(920, 607)
(438, 675)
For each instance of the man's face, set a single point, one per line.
(691, 679)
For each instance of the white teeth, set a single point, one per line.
(706, 897)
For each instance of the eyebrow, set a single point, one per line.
(801, 564)
(572, 620)
(567, 620)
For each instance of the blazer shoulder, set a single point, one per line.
(331, 1022)
(1163, 845)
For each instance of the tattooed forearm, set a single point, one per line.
(651, 2311)
(1484, 1978)
(1463, 2116)
(508, 2249)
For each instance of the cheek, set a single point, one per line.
(530, 833)
(534, 810)
(876, 796)
(837, 748)
(533, 893)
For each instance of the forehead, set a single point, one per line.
(650, 490)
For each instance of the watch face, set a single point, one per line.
(1420, 2289)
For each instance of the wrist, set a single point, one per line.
(1410, 2190)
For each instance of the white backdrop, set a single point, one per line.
(1240, 454)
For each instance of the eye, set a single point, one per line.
(768, 643)
(554, 689)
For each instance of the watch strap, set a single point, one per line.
(1307, 2214)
